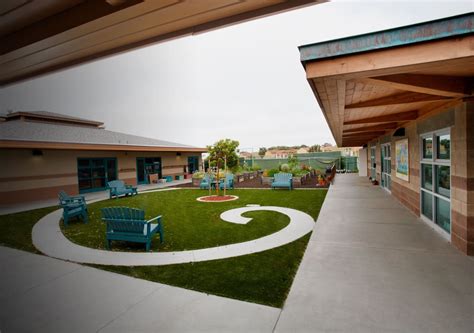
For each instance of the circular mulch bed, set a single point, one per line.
(217, 198)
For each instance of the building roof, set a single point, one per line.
(51, 117)
(369, 85)
(31, 134)
(416, 33)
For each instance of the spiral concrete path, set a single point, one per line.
(48, 238)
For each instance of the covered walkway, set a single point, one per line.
(372, 266)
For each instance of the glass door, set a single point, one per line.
(148, 166)
(94, 173)
(193, 164)
(386, 166)
(435, 169)
(372, 162)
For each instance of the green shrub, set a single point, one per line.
(198, 175)
(272, 172)
(256, 167)
(285, 167)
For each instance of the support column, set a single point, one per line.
(462, 179)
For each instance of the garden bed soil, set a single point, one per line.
(217, 198)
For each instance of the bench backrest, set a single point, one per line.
(283, 177)
(124, 219)
(207, 178)
(63, 196)
(117, 184)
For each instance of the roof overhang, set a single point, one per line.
(38, 37)
(369, 85)
(102, 147)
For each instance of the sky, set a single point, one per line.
(243, 82)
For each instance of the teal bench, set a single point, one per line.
(73, 206)
(282, 180)
(129, 224)
(118, 188)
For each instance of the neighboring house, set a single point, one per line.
(345, 151)
(302, 150)
(279, 153)
(42, 153)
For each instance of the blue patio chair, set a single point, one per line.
(129, 224)
(206, 182)
(73, 206)
(282, 180)
(228, 181)
(118, 187)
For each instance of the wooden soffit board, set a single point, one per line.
(40, 36)
(381, 90)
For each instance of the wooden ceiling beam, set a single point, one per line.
(438, 85)
(403, 116)
(397, 99)
(387, 126)
(363, 134)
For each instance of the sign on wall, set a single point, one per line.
(402, 163)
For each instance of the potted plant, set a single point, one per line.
(267, 176)
(197, 177)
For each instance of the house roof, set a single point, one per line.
(17, 133)
(51, 116)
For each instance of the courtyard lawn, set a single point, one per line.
(15, 229)
(263, 277)
(190, 225)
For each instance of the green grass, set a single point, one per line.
(15, 229)
(263, 277)
(190, 224)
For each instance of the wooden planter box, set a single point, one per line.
(267, 180)
(238, 178)
(297, 180)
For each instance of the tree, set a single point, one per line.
(224, 147)
(262, 151)
(314, 149)
(223, 151)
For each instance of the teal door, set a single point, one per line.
(147, 166)
(94, 173)
(193, 164)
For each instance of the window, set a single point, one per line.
(428, 147)
(372, 162)
(94, 173)
(435, 170)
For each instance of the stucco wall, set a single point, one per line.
(460, 121)
(24, 177)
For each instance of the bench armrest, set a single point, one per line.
(154, 219)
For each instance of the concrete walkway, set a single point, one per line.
(372, 266)
(41, 294)
(49, 239)
(90, 197)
